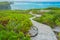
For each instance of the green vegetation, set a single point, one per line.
(58, 35)
(14, 25)
(52, 8)
(3, 3)
(35, 11)
(51, 18)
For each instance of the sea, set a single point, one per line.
(17, 5)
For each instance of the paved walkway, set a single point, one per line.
(44, 31)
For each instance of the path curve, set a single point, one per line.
(44, 31)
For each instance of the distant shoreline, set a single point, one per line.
(32, 1)
(33, 5)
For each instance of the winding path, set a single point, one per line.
(44, 31)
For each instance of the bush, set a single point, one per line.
(51, 18)
(14, 26)
(5, 35)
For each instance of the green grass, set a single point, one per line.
(14, 25)
(4, 3)
(52, 8)
(35, 11)
(51, 18)
(58, 36)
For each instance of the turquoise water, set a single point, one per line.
(34, 5)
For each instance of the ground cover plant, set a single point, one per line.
(14, 25)
(51, 18)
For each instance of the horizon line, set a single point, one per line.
(30, 1)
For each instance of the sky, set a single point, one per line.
(34, 0)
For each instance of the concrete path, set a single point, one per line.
(44, 31)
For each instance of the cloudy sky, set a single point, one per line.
(33, 0)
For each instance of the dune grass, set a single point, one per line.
(14, 25)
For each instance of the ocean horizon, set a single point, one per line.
(33, 5)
